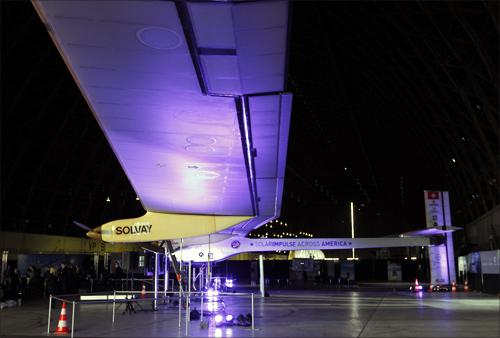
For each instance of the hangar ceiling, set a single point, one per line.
(389, 99)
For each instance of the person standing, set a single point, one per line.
(15, 283)
(52, 284)
(65, 279)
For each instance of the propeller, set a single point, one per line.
(91, 233)
(81, 225)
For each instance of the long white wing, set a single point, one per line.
(189, 95)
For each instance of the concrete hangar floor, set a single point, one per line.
(286, 314)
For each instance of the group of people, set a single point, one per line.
(65, 279)
(55, 280)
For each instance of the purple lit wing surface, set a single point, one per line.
(189, 95)
(439, 230)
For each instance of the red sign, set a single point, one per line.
(433, 195)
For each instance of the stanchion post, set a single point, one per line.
(201, 291)
(73, 320)
(261, 276)
(156, 276)
(50, 310)
(187, 317)
(188, 297)
(114, 302)
(180, 284)
(165, 275)
(180, 305)
(253, 316)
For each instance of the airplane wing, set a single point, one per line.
(190, 96)
(432, 231)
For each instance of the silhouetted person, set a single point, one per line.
(35, 284)
(118, 271)
(52, 284)
(15, 283)
(65, 278)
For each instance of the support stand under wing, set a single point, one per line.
(175, 263)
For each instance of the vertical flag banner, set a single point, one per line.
(441, 257)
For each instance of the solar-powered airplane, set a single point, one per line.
(191, 97)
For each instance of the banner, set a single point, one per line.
(441, 257)
(490, 262)
(347, 270)
(394, 271)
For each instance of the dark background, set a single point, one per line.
(386, 95)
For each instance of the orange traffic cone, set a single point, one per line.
(453, 286)
(466, 286)
(143, 291)
(62, 325)
(431, 287)
(417, 287)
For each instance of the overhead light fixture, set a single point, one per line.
(108, 199)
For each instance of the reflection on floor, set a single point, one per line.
(287, 314)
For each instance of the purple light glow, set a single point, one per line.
(181, 149)
(218, 319)
(213, 306)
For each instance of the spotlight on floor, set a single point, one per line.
(218, 319)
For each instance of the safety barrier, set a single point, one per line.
(130, 296)
(128, 283)
(194, 294)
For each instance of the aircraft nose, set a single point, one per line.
(94, 235)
